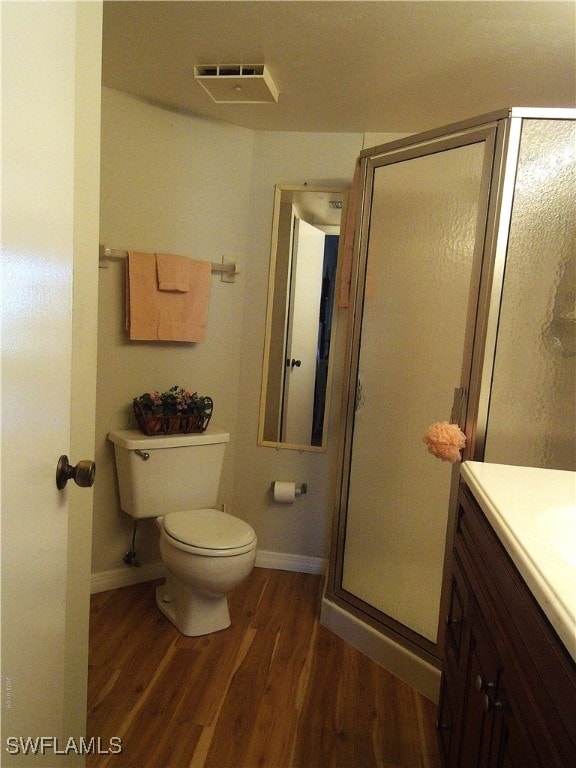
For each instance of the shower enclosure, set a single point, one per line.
(462, 311)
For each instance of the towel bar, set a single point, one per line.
(228, 270)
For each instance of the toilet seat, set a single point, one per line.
(208, 532)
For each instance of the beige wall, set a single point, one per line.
(187, 185)
(301, 528)
(181, 185)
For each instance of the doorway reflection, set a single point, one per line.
(296, 375)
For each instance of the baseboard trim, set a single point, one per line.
(284, 561)
(400, 661)
(126, 577)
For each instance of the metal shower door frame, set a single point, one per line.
(501, 131)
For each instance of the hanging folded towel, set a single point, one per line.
(141, 288)
(157, 315)
(184, 316)
(173, 272)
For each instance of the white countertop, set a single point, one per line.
(533, 511)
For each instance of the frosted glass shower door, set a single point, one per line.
(420, 271)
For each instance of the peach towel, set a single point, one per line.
(155, 315)
(173, 272)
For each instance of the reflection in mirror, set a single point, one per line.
(302, 286)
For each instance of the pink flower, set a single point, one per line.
(445, 441)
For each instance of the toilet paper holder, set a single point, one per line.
(300, 489)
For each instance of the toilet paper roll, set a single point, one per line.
(284, 492)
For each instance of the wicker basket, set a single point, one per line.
(151, 424)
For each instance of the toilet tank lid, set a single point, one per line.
(134, 439)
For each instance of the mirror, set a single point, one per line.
(299, 318)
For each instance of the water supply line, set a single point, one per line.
(130, 557)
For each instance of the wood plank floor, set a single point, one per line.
(274, 690)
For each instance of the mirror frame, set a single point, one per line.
(278, 191)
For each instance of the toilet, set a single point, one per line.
(207, 552)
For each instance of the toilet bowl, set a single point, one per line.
(207, 552)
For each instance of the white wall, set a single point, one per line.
(205, 189)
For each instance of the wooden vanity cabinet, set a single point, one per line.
(508, 691)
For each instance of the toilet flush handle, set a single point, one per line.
(143, 454)
(83, 473)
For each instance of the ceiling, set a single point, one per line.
(349, 65)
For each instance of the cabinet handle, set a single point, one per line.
(489, 704)
(450, 622)
(440, 726)
(483, 686)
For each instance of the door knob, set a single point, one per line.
(83, 473)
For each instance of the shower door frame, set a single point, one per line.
(502, 136)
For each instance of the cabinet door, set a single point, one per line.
(447, 725)
(481, 687)
(510, 745)
(456, 640)
(456, 620)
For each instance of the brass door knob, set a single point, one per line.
(83, 473)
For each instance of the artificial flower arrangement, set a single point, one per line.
(445, 441)
(175, 411)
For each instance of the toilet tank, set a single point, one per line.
(181, 472)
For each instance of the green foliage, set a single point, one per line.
(175, 402)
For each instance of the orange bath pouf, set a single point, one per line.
(445, 441)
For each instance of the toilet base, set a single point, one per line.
(192, 614)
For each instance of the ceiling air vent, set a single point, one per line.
(237, 83)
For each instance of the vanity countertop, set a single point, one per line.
(533, 511)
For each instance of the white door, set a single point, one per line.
(300, 378)
(50, 157)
